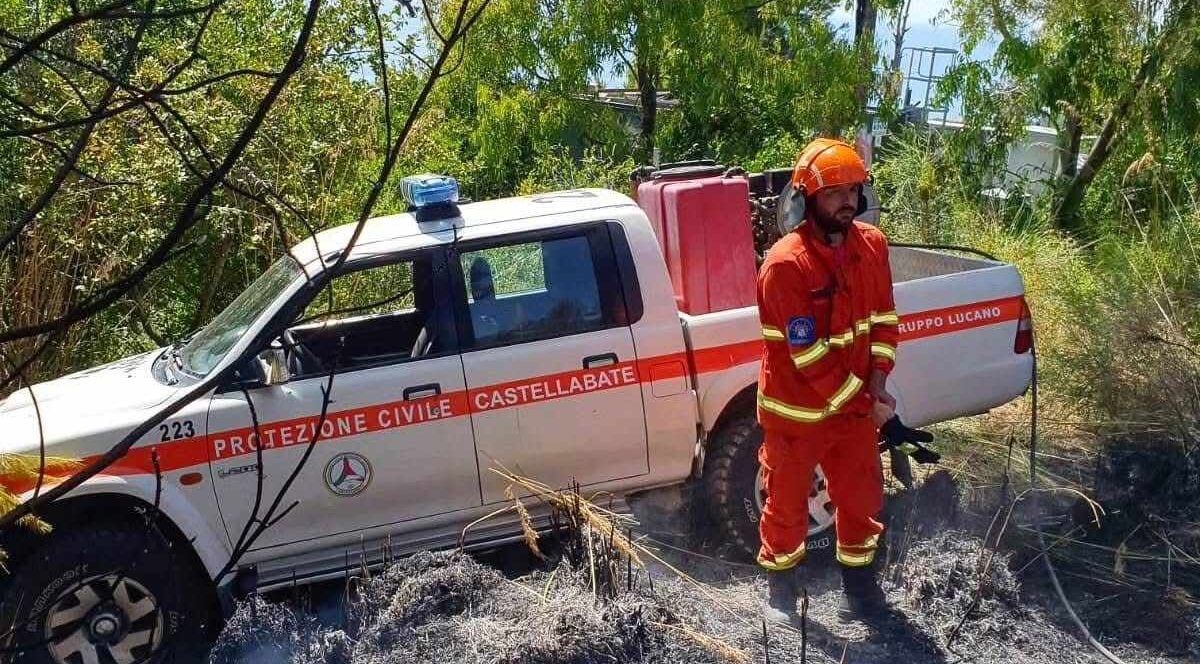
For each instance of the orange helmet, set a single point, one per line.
(827, 162)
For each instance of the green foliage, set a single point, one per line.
(1117, 322)
(755, 81)
(1073, 62)
(557, 169)
(313, 149)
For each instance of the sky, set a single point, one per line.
(930, 25)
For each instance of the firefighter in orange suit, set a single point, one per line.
(830, 331)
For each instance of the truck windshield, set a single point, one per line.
(205, 350)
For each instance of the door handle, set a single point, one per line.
(601, 360)
(422, 391)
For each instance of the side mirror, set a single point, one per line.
(274, 366)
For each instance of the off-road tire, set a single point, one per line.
(81, 560)
(730, 475)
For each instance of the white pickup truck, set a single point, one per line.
(544, 333)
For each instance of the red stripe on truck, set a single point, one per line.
(954, 319)
(185, 453)
(339, 424)
(554, 386)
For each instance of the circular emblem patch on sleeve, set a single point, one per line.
(801, 330)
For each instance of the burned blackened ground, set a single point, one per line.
(956, 600)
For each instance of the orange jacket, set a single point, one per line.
(828, 318)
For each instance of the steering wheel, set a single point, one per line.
(301, 360)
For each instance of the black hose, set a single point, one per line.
(945, 247)
(1033, 436)
(1045, 551)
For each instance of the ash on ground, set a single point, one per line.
(955, 600)
(448, 607)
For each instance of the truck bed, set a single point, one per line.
(910, 264)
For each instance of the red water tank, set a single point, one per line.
(703, 227)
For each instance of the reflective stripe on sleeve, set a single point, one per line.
(885, 318)
(772, 333)
(844, 339)
(881, 349)
(801, 414)
(810, 354)
(845, 392)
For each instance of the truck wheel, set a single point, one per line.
(105, 594)
(733, 483)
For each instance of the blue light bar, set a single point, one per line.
(428, 189)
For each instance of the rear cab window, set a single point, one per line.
(540, 285)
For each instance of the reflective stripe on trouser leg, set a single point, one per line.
(787, 465)
(783, 561)
(855, 480)
(859, 555)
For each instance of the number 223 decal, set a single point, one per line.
(176, 430)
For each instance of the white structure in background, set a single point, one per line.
(1033, 159)
(1032, 162)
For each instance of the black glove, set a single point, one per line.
(900, 437)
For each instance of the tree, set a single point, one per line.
(755, 83)
(1177, 29)
(1092, 67)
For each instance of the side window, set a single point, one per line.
(540, 288)
(371, 292)
(376, 315)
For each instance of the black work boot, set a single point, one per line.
(862, 598)
(782, 589)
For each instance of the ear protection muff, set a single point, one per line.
(862, 196)
(789, 212)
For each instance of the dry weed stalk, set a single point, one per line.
(601, 521)
(614, 533)
(527, 529)
(715, 646)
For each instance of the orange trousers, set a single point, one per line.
(846, 447)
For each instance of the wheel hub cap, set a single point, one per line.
(104, 626)
(108, 619)
(820, 508)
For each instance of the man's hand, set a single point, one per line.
(885, 404)
(881, 413)
(876, 387)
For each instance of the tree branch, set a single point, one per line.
(76, 18)
(188, 216)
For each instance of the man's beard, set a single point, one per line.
(831, 224)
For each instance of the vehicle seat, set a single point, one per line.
(425, 301)
(570, 283)
(485, 309)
